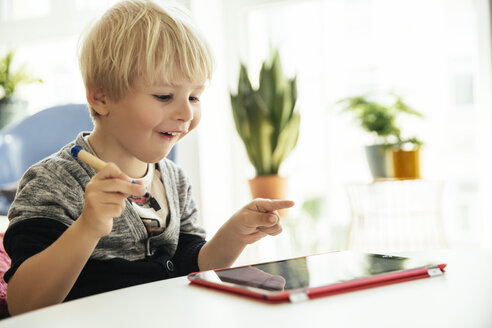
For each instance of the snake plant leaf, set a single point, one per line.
(243, 127)
(287, 141)
(293, 94)
(276, 112)
(244, 87)
(238, 103)
(261, 131)
(280, 87)
(286, 106)
(239, 116)
(267, 85)
(278, 75)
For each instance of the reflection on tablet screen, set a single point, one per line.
(253, 277)
(314, 271)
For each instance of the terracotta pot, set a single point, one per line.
(406, 164)
(270, 187)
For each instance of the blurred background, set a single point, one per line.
(436, 54)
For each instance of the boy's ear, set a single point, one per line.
(97, 100)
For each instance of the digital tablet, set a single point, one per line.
(318, 275)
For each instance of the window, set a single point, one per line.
(435, 53)
(427, 51)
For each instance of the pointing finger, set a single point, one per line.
(269, 205)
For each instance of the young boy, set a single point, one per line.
(75, 232)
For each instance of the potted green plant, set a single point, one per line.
(10, 107)
(267, 123)
(392, 156)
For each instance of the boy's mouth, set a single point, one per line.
(170, 133)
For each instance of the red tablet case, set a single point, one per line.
(296, 295)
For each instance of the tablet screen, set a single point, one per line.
(311, 271)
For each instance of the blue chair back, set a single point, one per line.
(26, 142)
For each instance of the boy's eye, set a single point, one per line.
(163, 97)
(194, 99)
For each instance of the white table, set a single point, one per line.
(462, 297)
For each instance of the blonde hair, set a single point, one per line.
(139, 39)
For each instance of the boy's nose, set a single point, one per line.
(184, 111)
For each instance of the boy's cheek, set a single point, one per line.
(196, 119)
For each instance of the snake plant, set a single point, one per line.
(265, 118)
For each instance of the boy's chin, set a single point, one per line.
(157, 158)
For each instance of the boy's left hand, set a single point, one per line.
(258, 219)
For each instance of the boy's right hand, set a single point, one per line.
(105, 197)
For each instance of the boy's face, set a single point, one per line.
(147, 122)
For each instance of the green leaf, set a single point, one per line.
(287, 108)
(267, 86)
(10, 80)
(244, 86)
(261, 131)
(287, 141)
(401, 106)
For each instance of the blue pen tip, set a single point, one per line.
(75, 151)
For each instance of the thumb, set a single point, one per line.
(269, 205)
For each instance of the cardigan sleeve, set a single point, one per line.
(29, 237)
(186, 256)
